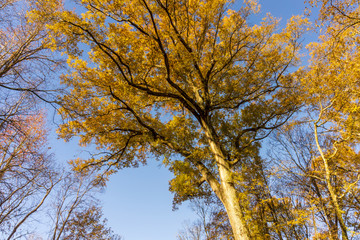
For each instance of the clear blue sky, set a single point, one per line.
(137, 202)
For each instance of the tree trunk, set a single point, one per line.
(330, 188)
(235, 215)
(228, 193)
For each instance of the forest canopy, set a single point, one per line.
(228, 105)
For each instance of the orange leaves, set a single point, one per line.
(21, 140)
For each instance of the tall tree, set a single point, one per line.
(336, 103)
(190, 81)
(325, 159)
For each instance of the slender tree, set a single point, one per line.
(325, 162)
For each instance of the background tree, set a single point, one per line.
(89, 224)
(26, 174)
(73, 203)
(299, 177)
(75, 211)
(27, 177)
(212, 222)
(25, 61)
(190, 81)
(325, 155)
(336, 127)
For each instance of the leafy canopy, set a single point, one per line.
(171, 78)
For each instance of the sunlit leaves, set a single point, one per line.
(191, 81)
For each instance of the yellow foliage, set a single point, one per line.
(188, 80)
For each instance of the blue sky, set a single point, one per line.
(137, 202)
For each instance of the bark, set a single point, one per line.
(228, 193)
(232, 206)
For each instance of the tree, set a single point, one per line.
(26, 175)
(25, 61)
(336, 104)
(326, 160)
(212, 222)
(89, 224)
(190, 81)
(29, 182)
(299, 172)
(318, 163)
(75, 211)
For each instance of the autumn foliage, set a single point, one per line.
(191, 81)
(270, 141)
